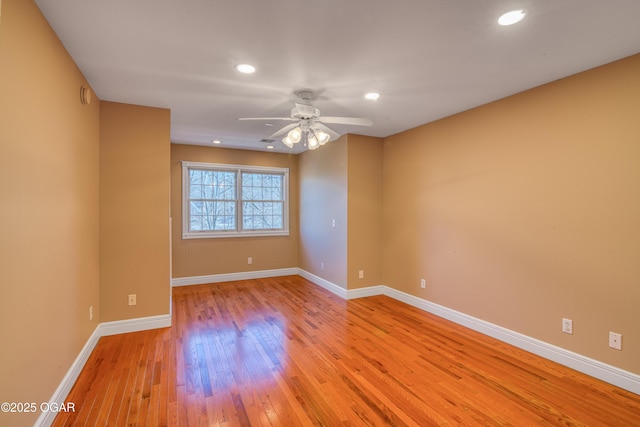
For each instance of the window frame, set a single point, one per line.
(239, 231)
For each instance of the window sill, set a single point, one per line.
(234, 234)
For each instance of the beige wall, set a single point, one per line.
(323, 198)
(364, 211)
(134, 210)
(202, 257)
(49, 274)
(527, 210)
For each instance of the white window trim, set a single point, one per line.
(186, 234)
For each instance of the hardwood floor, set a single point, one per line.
(282, 351)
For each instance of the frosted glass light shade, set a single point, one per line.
(312, 142)
(323, 137)
(287, 141)
(295, 135)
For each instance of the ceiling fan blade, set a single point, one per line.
(268, 118)
(355, 121)
(284, 130)
(326, 129)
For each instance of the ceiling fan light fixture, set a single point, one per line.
(307, 126)
(295, 134)
(511, 17)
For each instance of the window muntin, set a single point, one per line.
(228, 200)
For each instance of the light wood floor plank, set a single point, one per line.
(284, 352)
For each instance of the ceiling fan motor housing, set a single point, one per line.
(304, 112)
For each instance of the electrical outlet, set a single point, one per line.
(423, 283)
(132, 299)
(90, 312)
(322, 266)
(615, 340)
(361, 274)
(249, 260)
(333, 223)
(567, 326)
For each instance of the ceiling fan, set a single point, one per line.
(309, 127)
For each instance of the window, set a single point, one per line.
(230, 201)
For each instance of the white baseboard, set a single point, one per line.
(331, 287)
(102, 330)
(134, 325)
(365, 292)
(600, 370)
(230, 277)
(59, 396)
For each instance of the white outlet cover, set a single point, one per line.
(567, 326)
(615, 341)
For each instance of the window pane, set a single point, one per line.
(196, 223)
(262, 208)
(195, 184)
(228, 193)
(195, 177)
(247, 223)
(259, 186)
(224, 185)
(198, 208)
(262, 215)
(216, 185)
(211, 216)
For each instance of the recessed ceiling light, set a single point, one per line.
(268, 124)
(512, 17)
(246, 68)
(270, 147)
(372, 96)
(216, 141)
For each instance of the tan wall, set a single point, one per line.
(364, 201)
(202, 257)
(323, 198)
(49, 274)
(134, 210)
(527, 210)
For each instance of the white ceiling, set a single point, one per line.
(427, 58)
